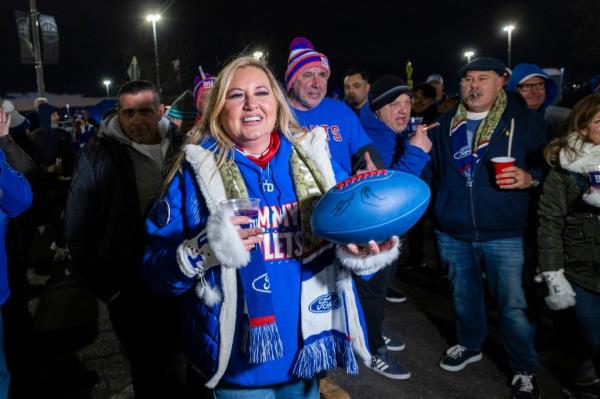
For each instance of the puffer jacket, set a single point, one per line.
(569, 227)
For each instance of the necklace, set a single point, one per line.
(267, 187)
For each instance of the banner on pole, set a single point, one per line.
(25, 44)
(133, 71)
(50, 40)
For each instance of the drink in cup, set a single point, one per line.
(500, 163)
(595, 177)
(411, 127)
(243, 207)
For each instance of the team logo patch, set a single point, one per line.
(325, 303)
(262, 284)
(463, 152)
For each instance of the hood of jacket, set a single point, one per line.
(110, 126)
(523, 72)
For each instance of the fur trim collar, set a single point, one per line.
(587, 156)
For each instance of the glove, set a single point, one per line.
(195, 256)
(560, 293)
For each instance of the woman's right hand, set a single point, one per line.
(421, 140)
(250, 236)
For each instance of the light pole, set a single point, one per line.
(509, 29)
(107, 83)
(154, 18)
(469, 54)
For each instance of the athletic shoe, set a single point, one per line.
(458, 357)
(394, 297)
(524, 386)
(393, 344)
(382, 363)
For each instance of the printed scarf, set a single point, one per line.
(467, 156)
(326, 318)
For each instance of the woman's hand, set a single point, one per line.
(372, 248)
(250, 235)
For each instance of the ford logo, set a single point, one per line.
(262, 284)
(325, 303)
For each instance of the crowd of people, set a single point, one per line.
(206, 302)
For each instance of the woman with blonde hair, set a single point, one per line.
(260, 320)
(569, 223)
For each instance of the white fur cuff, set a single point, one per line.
(365, 265)
(592, 198)
(225, 240)
(560, 293)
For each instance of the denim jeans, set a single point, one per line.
(587, 311)
(299, 389)
(502, 261)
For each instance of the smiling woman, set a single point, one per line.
(298, 315)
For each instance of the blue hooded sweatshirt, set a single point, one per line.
(523, 72)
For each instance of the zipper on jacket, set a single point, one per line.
(472, 206)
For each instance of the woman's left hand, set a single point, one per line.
(372, 247)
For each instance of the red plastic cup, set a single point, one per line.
(502, 162)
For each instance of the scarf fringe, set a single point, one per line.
(323, 354)
(262, 343)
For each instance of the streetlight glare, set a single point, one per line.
(258, 54)
(469, 54)
(153, 17)
(106, 82)
(508, 28)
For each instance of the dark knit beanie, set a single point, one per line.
(385, 90)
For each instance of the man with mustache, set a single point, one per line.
(480, 217)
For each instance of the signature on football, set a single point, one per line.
(367, 197)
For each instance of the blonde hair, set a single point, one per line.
(211, 124)
(579, 118)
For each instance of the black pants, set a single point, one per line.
(148, 327)
(372, 299)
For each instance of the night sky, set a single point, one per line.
(98, 38)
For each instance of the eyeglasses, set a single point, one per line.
(532, 86)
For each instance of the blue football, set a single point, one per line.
(371, 206)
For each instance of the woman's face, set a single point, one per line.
(592, 130)
(250, 111)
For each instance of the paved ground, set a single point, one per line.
(425, 322)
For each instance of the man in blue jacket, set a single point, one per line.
(539, 91)
(480, 217)
(15, 198)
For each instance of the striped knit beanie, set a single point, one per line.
(303, 55)
(200, 84)
(183, 107)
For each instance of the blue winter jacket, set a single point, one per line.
(483, 212)
(523, 71)
(15, 198)
(395, 150)
(183, 218)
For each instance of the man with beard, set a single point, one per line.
(356, 89)
(480, 216)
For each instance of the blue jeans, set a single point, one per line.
(587, 311)
(299, 389)
(502, 261)
(4, 374)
